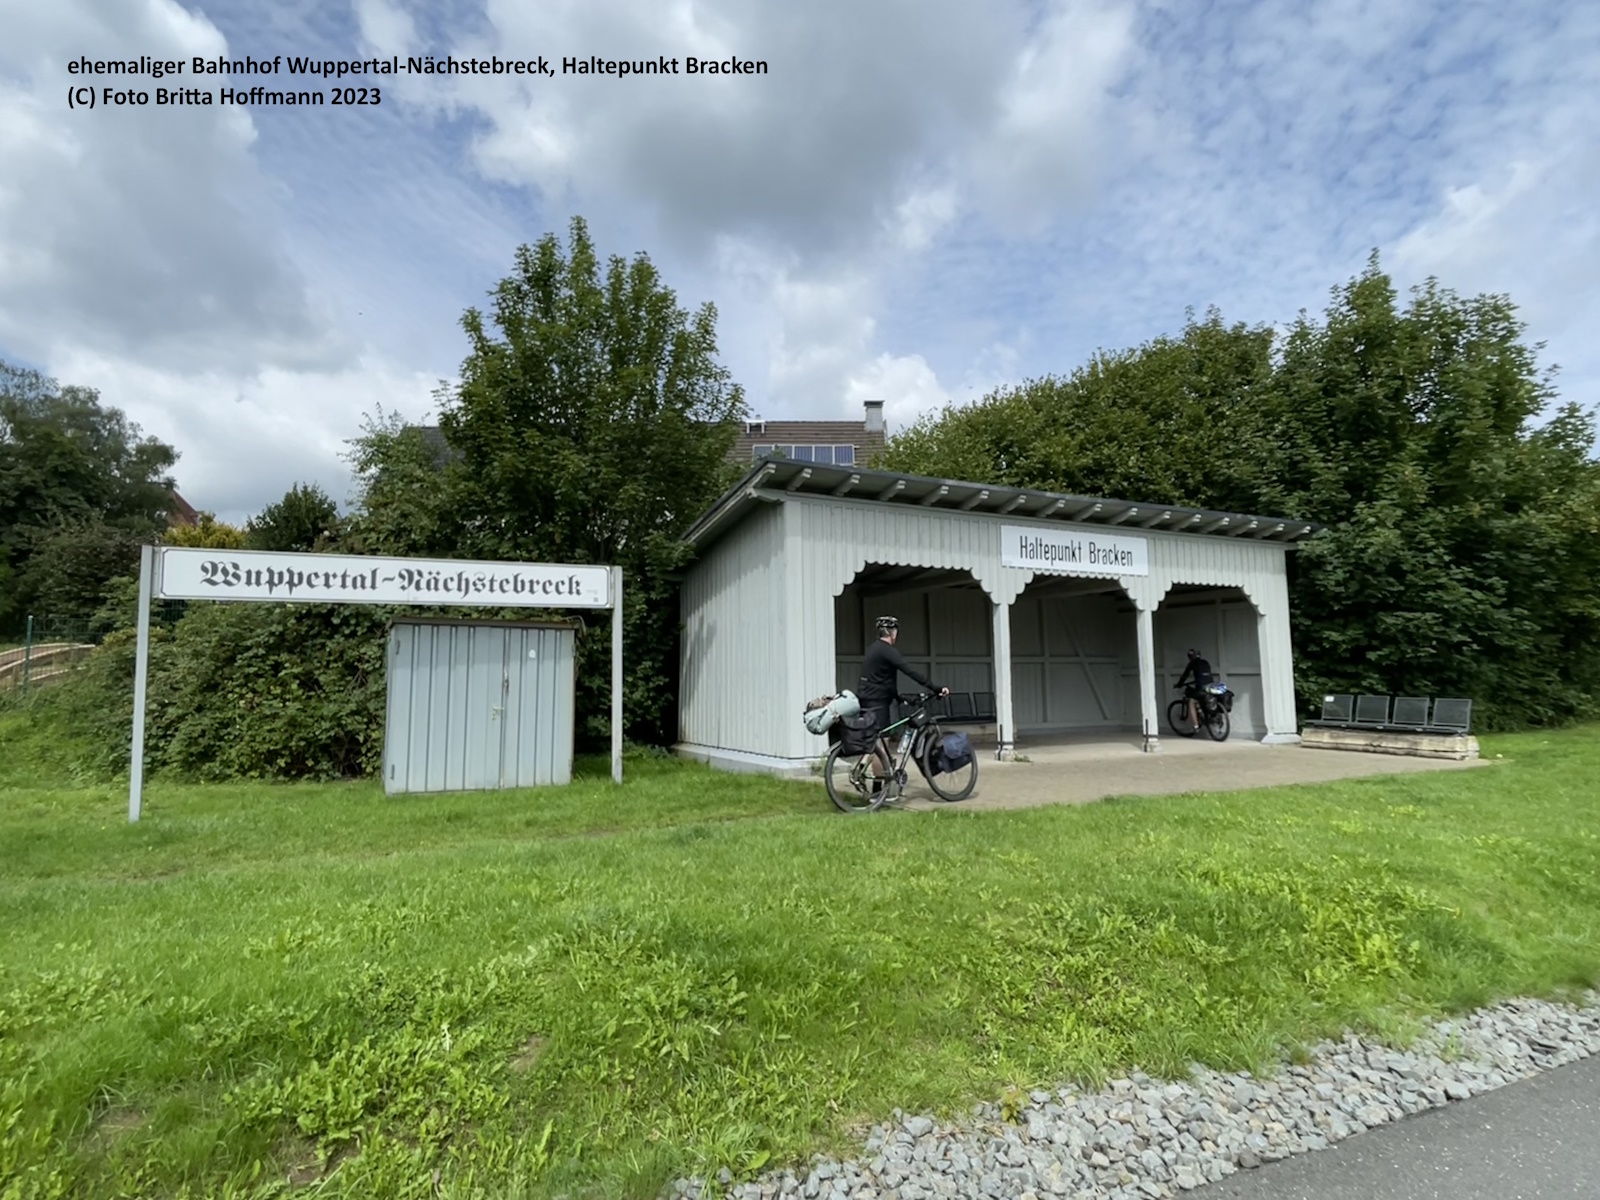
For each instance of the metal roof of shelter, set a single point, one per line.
(774, 477)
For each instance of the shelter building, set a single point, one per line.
(1074, 613)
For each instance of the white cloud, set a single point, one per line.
(1038, 158)
(244, 439)
(140, 230)
(905, 383)
(909, 207)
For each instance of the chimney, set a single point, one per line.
(874, 416)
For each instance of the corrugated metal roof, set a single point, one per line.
(774, 478)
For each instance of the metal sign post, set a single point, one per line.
(141, 674)
(185, 573)
(616, 674)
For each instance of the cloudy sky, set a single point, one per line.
(919, 201)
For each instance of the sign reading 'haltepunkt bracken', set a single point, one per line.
(1071, 552)
(196, 574)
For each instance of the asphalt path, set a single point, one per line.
(1536, 1139)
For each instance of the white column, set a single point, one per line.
(1277, 664)
(1149, 708)
(1006, 731)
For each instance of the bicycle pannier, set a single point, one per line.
(956, 751)
(857, 733)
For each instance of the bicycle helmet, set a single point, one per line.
(885, 624)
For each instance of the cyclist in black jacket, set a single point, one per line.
(880, 673)
(1201, 670)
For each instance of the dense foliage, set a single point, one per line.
(80, 488)
(236, 691)
(306, 519)
(1461, 502)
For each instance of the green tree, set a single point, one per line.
(207, 533)
(1460, 555)
(80, 488)
(1174, 421)
(591, 425)
(407, 485)
(305, 519)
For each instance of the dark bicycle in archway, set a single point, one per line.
(1215, 704)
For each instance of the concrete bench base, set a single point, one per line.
(1418, 745)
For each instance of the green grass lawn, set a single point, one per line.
(587, 990)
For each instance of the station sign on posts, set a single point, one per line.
(189, 573)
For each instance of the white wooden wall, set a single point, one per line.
(734, 692)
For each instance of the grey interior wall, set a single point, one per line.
(1225, 628)
(1074, 662)
(945, 632)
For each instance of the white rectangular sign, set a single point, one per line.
(1073, 551)
(184, 573)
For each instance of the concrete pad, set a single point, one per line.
(1082, 769)
(1420, 745)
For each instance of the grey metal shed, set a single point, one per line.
(478, 704)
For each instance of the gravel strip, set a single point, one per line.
(1143, 1139)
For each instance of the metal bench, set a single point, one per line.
(960, 708)
(1337, 712)
(1398, 714)
(1450, 715)
(1372, 712)
(1410, 713)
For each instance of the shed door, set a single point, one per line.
(446, 727)
(538, 700)
(474, 707)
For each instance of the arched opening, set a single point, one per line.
(946, 631)
(1074, 658)
(1225, 626)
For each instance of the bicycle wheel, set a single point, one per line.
(1217, 725)
(1178, 719)
(857, 783)
(952, 785)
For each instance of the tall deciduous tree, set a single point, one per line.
(1177, 420)
(80, 487)
(591, 424)
(1461, 553)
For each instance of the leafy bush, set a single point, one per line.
(235, 691)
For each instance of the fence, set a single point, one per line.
(51, 649)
